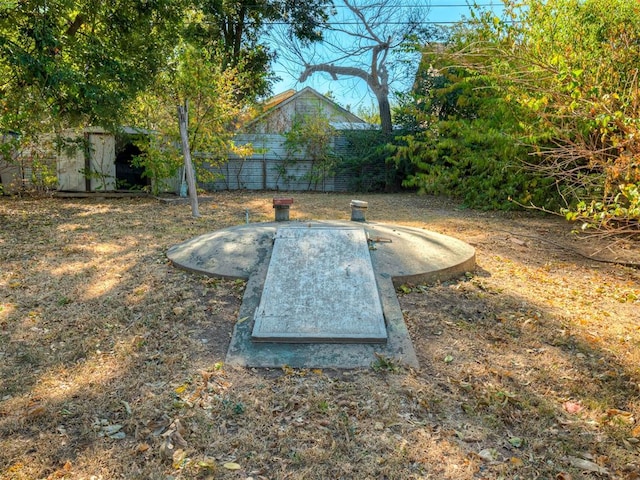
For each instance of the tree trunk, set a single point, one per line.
(191, 178)
(386, 127)
(385, 113)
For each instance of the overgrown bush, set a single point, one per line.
(621, 214)
(160, 160)
(472, 161)
(367, 161)
(462, 140)
(572, 69)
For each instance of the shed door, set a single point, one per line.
(70, 176)
(103, 162)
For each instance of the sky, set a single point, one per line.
(354, 94)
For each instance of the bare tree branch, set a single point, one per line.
(334, 71)
(362, 43)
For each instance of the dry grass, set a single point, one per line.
(111, 360)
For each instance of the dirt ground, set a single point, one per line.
(112, 360)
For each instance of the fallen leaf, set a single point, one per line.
(471, 435)
(207, 463)
(243, 319)
(587, 465)
(517, 241)
(572, 407)
(468, 409)
(621, 415)
(127, 407)
(516, 462)
(563, 476)
(614, 412)
(405, 289)
(517, 442)
(488, 454)
(35, 411)
(158, 426)
(232, 466)
(448, 359)
(636, 431)
(177, 425)
(179, 457)
(142, 447)
(111, 429)
(167, 449)
(180, 389)
(179, 440)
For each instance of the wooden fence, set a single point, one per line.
(272, 168)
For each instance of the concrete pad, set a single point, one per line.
(413, 255)
(399, 255)
(320, 288)
(246, 353)
(233, 252)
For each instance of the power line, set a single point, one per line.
(448, 5)
(342, 24)
(429, 22)
(445, 5)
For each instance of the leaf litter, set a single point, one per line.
(113, 360)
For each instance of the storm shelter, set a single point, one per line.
(320, 306)
(320, 288)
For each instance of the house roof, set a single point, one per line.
(282, 99)
(276, 100)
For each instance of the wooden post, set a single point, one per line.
(183, 120)
(87, 162)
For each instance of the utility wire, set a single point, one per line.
(341, 24)
(443, 5)
(448, 5)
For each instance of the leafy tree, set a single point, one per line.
(197, 78)
(218, 67)
(572, 66)
(235, 30)
(67, 62)
(74, 63)
(311, 136)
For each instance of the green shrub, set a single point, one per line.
(367, 159)
(462, 141)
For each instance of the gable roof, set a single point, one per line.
(276, 100)
(281, 100)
